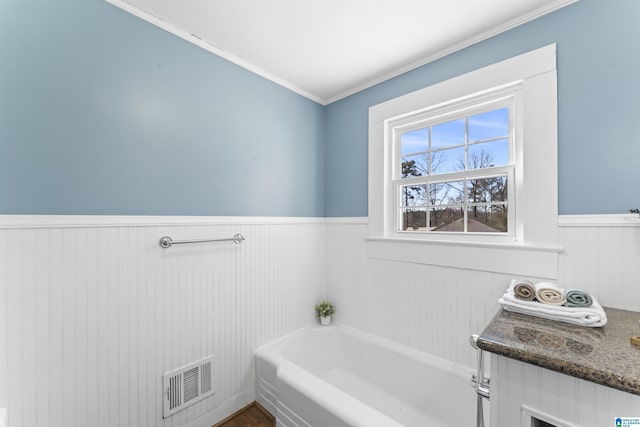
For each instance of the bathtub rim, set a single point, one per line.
(328, 396)
(273, 349)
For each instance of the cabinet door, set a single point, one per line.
(522, 393)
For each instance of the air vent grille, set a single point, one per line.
(187, 385)
(191, 384)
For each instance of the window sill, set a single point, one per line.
(531, 260)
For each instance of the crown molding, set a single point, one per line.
(193, 38)
(456, 47)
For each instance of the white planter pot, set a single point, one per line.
(324, 321)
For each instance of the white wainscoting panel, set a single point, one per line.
(435, 309)
(93, 311)
(91, 316)
(603, 258)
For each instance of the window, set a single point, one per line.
(464, 173)
(452, 172)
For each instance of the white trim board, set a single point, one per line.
(585, 220)
(358, 220)
(192, 38)
(223, 411)
(70, 221)
(606, 220)
(75, 221)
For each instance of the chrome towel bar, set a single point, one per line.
(166, 241)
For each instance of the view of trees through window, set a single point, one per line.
(456, 175)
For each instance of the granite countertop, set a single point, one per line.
(601, 355)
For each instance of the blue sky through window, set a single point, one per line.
(487, 135)
(448, 134)
(492, 124)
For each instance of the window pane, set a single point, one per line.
(446, 193)
(450, 160)
(487, 219)
(475, 204)
(489, 154)
(414, 165)
(448, 134)
(492, 124)
(414, 220)
(487, 190)
(449, 219)
(414, 195)
(414, 141)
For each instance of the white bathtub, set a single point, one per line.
(335, 376)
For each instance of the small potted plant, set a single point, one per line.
(324, 310)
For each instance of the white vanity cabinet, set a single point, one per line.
(524, 395)
(546, 373)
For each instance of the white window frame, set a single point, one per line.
(509, 97)
(532, 248)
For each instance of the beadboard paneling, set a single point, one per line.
(92, 313)
(91, 316)
(436, 309)
(605, 260)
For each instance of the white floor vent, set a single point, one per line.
(187, 385)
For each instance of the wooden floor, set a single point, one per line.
(253, 415)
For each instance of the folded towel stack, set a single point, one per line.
(592, 315)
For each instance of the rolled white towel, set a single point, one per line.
(548, 293)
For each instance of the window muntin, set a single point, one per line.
(452, 174)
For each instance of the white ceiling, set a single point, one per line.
(328, 49)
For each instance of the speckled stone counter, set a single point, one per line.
(601, 355)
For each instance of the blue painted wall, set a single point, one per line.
(103, 113)
(599, 107)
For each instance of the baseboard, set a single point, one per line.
(225, 410)
(246, 408)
